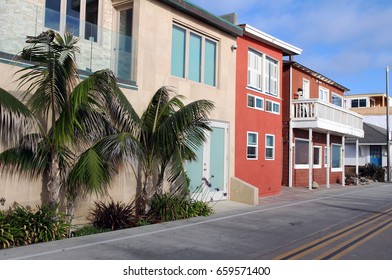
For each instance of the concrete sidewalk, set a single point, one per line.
(287, 195)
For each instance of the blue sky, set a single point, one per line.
(348, 41)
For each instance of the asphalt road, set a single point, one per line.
(338, 223)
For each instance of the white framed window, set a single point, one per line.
(337, 100)
(273, 107)
(80, 17)
(317, 157)
(336, 158)
(252, 145)
(323, 94)
(269, 147)
(255, 102)
(254, 69)
(271, 76)
(301, 159)
(263, 73)
(301, 153)
(194, 56)
(358, 103)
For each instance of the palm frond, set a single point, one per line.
(91, 173)
(15, 118)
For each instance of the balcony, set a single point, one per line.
(100, 48)
(322, 116)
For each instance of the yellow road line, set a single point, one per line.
(353, 243)
(325, 240)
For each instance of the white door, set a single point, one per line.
(208, 174)
(305, 89)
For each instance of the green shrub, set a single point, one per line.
(112, 215)
(22, 226)
(170, 207)
(373, 172)
(88, 230)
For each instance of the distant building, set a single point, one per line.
(372, 106)
(372, 148)
(315, 125)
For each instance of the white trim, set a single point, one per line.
(269, 39)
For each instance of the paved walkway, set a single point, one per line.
(286, 195)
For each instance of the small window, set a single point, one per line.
(273, 107)
(255, 102)
(251, 149)
(324, 94)
(337, 100)
(317, 157)
(355, 103)
(269, 147)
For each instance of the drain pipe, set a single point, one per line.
(290, 126)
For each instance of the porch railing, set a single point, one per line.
(315, 109)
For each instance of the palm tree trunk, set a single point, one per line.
(147, 193)
(53, 185)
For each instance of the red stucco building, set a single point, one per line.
(258, 137)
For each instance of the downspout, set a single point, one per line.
(343, 161)
(310, 159)
(290, 127)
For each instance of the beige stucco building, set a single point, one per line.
(148, 44)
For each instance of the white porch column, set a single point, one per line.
(290, 155)
(328, 157)
(343, 161)
(357, 159)
(310, 158)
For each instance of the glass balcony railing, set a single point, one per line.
(100, 48)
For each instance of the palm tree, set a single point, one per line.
(166, 135)
(60, 114)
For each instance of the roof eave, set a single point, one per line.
(201, 14)
(261, 36)
(316, 75)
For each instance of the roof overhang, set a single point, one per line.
(270, 40)
(315, 74)
(203, 15)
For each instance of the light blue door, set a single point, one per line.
(208, 174)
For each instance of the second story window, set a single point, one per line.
(80, 17)
(193, 56)
(337, 100)
(263, 73)
(324, 94)
(273, 107)
(255, 102)
(355, 103)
